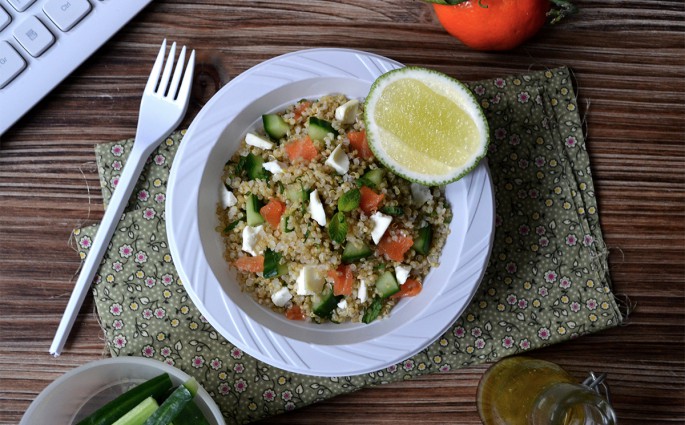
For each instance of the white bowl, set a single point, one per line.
(81, 391)
(197, 248)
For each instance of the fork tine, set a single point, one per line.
(156, 69)
(184, 91)
(164, 81)
(173, 87)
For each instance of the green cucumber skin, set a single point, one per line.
(171, 408)
(423, 241)
(191, 415)
(115, 409)
(353, 252)
(319, 129)
(275, 126)
(254, 218)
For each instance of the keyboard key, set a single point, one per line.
(4, 18)
(33, 36)
(21, 5)
(11, 63)
(66, 13)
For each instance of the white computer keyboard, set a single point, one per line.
(43, 41)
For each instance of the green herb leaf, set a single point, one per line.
(373, 311)
(349, 201)
(337, 228)
(232, 225)
(240, 166)
(271, 262)
(286, 225)
(393, 211)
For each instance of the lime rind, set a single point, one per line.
(437, 81)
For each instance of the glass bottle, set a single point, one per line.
(527, 391)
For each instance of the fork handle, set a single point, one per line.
(117, 204)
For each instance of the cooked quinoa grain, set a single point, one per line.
(306, 257)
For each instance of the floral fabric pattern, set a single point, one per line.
(547, 280)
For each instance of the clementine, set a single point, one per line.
(493, 24)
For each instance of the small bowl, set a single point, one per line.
(81, 391)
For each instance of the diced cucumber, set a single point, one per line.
(372, 178)
(319, 129)
(174, 404)
(275, 126)
(254, 168)
(422, 243)
(387, 285)
(252, 206)
(324, 304)
(115, 409)
(139, 414)
(373, 310)
(296, 193)
(355, 251)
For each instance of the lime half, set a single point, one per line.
(425, 126)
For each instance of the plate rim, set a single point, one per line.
(196, 126)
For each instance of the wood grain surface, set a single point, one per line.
(628, 58)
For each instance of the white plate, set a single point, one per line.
(197, 248)
(81, 391)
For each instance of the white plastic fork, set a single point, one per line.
(161, 111)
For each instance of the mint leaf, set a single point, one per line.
(349, 201)
(337, 228)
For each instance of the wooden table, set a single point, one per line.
(629, 61)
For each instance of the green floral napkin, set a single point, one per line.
(547, 280)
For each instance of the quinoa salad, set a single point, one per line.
(316, 227)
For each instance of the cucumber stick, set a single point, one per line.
(156, 387)
(191, 415)
(139, 414)
(174, 404)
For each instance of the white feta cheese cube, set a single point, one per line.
(251, 237)
(316, 208)
(274, 167)
(347, 112)
(362, 292)
(309, 282)
(339, 161)
(381, 222)
(402, 273)
(420, 194)
(342, 305)
(258, 141)
(228, 199)
(281, 297)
